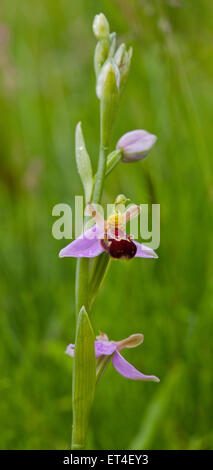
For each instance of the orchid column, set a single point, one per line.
(104, 240)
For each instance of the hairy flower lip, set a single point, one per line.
(104, 347)
(119, 248)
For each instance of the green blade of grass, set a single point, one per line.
(155, 412)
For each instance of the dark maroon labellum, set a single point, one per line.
(119, 247)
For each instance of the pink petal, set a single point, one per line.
(127, 370)
(104, 348)
(86, 246)
(144, 252)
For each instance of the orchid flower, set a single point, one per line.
(104, 347)
(109, 236)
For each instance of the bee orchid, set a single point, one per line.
(104, 347)
(109, 236)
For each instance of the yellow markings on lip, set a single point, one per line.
(115, 222)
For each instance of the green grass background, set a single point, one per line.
(46, 86)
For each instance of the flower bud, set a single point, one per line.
(101, 55)
(122, 59)
(109, 94)
(110, 69)
(135, 145)
(119, 56)
(121, 199)
(101, 27)
(112, 44)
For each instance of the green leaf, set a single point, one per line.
(98, 273)
(102, 365)
(112, 160)
(84, 379)
(83, 163)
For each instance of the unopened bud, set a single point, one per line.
(101, 26)
(121, 199)
(108, 70)
(125, 68)
(135, 145)
(101, 55)
(109, 95)
(112, 44)
(119, 56)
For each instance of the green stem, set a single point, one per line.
(81, 287)
(100, 174)
(108, 104)
(82, 269)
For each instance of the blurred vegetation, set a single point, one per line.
(46, 86)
